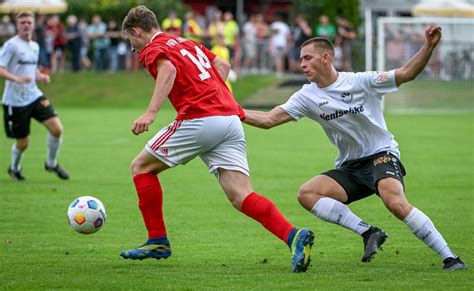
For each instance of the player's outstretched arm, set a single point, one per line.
(163, 85)
(417, 63)
(268, 119)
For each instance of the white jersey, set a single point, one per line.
(20, 58)
(350, 112)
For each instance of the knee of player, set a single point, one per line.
(22, 144)
(57, 132)
(135, 167)
(305, 192)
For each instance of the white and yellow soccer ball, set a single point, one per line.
(86, 214)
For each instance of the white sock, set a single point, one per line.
(16, 158)
(53, 149)
(423, 228)
(331, 210)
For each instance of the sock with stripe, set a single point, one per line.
(150, 202)
(16, 158)
(331, 210)
(264, 211)
(423, 228)
(54, 144)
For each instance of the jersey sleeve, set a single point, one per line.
(295, 106)
(379, 83)
(6, 54)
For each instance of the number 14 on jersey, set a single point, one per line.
(202, 62)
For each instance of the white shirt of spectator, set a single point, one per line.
(280, 37)
(350, 112)
(20, 58)
(250, 32)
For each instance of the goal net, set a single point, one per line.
(447, 83)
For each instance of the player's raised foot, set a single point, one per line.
(16, 175)
(301, 250)
(148, 251)
(60, 172)
(373, 239)
(453, 264)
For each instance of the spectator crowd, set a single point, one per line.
(260, 46)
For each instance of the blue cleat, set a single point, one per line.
(147, 251)
(301, 249)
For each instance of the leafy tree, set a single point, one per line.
(118, 9)
(312, 9)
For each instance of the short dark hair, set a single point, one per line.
(22, 14)
(320, 44)
(140, 17)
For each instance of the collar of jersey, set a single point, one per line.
(156, 34)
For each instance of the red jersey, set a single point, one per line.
(198, 89)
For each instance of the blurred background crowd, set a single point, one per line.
(255, 36)
(261, 45)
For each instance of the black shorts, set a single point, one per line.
(359, 177)
(17, 119)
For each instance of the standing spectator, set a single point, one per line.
(172, 24)
(279, 43)
(56, 31)
(73, 38)
(346, 35)
(7, 29)
(231, 39)
(325, 29)
(40, 37)
(100, 42)
(191, 28)
(262, 35)
(83, 31)
(221, 51)
(115, 36)
(249, 44)
(301, 33)
(215, 27)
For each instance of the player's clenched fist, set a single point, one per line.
(433, 34)
(142, 123)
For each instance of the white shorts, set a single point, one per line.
(218, 140)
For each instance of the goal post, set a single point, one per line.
(447, 82)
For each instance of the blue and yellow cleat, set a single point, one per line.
(147, 251)
(301, 250)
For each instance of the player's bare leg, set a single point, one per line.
(324, 197)
(239, 191)
(393, 196)
(18, 148)
(145, 168)
(55, 132)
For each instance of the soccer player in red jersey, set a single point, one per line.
(207, 125)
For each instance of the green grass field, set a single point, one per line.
(214, 246)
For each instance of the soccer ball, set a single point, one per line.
(86, 214)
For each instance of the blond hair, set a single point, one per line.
(22, 14)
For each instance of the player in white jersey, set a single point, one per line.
(348, 107)
(23, 100)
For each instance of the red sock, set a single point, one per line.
(264, 211)
(150, 202)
